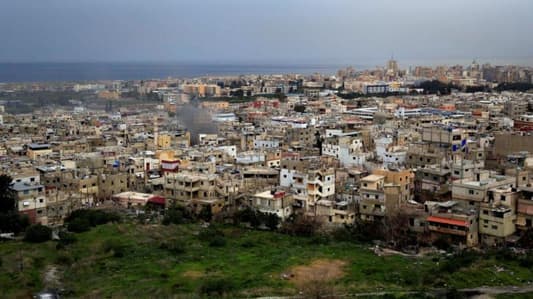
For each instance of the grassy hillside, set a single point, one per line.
(140, 261)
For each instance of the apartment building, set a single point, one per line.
(497, 217)
(273, 201)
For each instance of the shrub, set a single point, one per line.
(79, 225)
(248, 216)
(209, 233)
(527, 261)
(206, 214)
(216, 286)
(67, 238)
(63, 259)
(176, 215)
(319, 240)
(116, 247)
(271, 221)
(173, 246)
(217, 241)
(458, 261)
(37, 233)
(248, 244)
(83, 220)
(302, 226)
(13, 223)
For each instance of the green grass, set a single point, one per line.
(251, 262)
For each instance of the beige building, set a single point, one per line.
(36, 151)
(275, 202)
(497, 216)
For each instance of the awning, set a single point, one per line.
(447, 221)
(158, 200)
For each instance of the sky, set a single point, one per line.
(265, 31)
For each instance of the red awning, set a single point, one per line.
(158, 200)
(447, 221)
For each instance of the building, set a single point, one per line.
(497, 217)
(137, 200)
(275, 202)
(448, 221)
(31, 200)
(35, 151)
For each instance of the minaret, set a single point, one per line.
(156, 131)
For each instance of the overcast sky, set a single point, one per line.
(247, 31)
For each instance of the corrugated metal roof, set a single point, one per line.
(447, 221)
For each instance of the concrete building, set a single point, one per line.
(275, 202)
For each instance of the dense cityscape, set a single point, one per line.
(281, 149)
(415, 159)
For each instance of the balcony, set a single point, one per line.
(446, 230)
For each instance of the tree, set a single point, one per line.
(7, 196)
(13, 222)
(79, 225)
(396, 229)
(37, 234)
(206, 214)
(271, 221)
(10, 220)
(305, 226)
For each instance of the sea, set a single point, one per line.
(94, 71)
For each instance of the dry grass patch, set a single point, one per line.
(322, 270)
(316, 280)
(193, 274)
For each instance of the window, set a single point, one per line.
(494, 227)
(470, 191)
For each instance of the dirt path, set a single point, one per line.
(51, 277)
(321, 270)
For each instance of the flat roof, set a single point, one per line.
(265, 194)
(373, 177)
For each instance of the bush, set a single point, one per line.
(527, 261)
(176, 215)
(79, 225)
(67, 238)
(13, 223)
(458, 261)
(116, 247)
(248, 216)
(216, 287)
(302, 226)
(217, 241)
(206, 214)
(173, 246)
(271, 221)
(63, 259)
(83, 220)
(38, 233)
(209, 234)
(319, 240)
